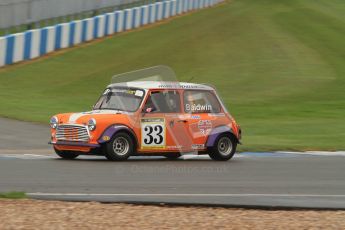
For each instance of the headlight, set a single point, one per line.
(54, 122)
(91, 124)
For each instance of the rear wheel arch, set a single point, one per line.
(216, 132)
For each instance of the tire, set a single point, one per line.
(224, 148)
(67, 155)
(120, 147)
(172, 156)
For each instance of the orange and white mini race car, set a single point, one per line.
(149, 118)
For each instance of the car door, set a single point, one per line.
(162, 124)
(203, 112)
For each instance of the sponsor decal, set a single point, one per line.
(198, 107)
(106, 91)
(130, 91)
(195, 117)
(153, 133)
(106, 138)
(174, 147)
(216, 114)
(198, 146)
(139, 93)
(205, 126)
(180, 86)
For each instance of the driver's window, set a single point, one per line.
(163, 102)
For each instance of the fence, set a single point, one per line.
(19, 12)
(35, 43)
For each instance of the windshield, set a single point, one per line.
(124, 99)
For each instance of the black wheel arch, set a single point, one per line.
(113, 129)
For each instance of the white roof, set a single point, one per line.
(161, 85)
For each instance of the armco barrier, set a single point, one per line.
(35, 43)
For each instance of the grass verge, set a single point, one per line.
(279, 66)
(13, 195)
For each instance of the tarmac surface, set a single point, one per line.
(281, 179)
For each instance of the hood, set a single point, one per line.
(99, 115)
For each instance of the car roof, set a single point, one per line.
(161, 85)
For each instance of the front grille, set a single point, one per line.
(72, 133)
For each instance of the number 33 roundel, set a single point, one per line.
(153, 133)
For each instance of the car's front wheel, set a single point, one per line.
(224, 148)
(67, 155)
(120, 147)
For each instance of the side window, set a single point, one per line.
(200, 102)
(163, 102)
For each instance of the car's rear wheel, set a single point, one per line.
(224, 148)
(67, 155)
(120, 147)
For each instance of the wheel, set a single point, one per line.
(68, 155)
(224, 148)
(172, 156)
(120, 147)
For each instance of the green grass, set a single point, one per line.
(279, 66)
(13, 195)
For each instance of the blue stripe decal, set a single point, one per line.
(83, 30)
(164, 8)
(142, 15)
(27, 45)
(150, 13)
(9, 49)
(134, 16)
(171, 8)
(178, 6)
(125, 20)
(71, 33)
(95, 27)
(58, 34)
(106, 26)
(116, 20)
(43, 41)
(157, 11)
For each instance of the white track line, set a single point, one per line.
(185, 194)
(36, 155)
(315, 153)
(26, 156)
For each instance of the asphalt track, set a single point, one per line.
(308, 180)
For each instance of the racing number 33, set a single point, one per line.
(153, 132)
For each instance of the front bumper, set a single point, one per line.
(71, 143)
